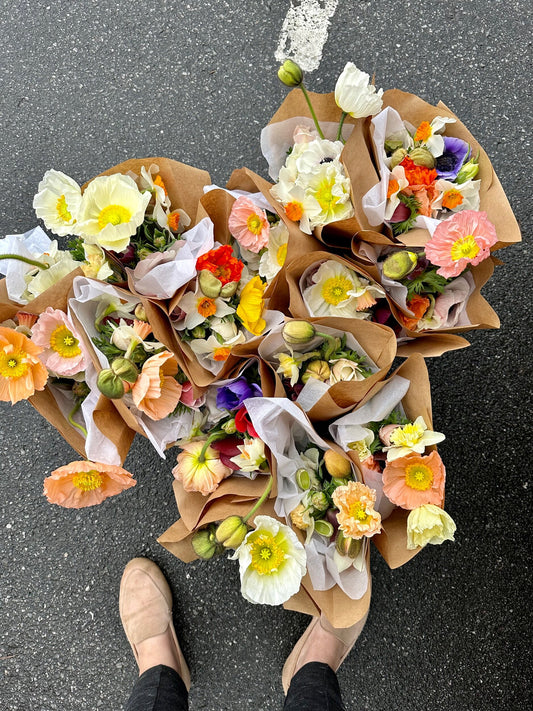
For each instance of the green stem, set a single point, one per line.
(332, 344)
(212, 438)
(71, 420)
(341, 123)
(27, 260)
(311, 109)
(264, 495)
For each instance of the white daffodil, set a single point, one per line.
(112, 208)
(96, 266)
(252, 455)
(396, 183)
(57, 202)
(338, 291)
(151, 180)
(361, 446)
(272, 562)
(127, 338)
(327, 195)
(428, 134)
(429, 524)
(289, 366)
(413, 437)
(457, 197)
(276, 252)
(211, 349)
(355, 95)
(292, 197)
(199, 307)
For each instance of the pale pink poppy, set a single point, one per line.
(249, 225)
(156, 391)
(63, 353)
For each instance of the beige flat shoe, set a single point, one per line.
(348, 636)
(145, 605)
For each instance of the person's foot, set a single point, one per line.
(145, 605)
(321, 643)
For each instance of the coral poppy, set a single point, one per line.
(200, 470)
(221, 263)
(156, 392)
(80, 484)
(357, 517)
(249, 225)
(21, 371)
(415, 480)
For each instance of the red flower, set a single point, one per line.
(243, 422)
(227, 448)
(221, 263)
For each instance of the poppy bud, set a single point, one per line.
(296, 332)
(205, 543)
(338, 466)
(231, 532)
(399, 264)
(209, 284)
(125, 369)
(290, 73)
(110, 384)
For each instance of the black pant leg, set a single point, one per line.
(314, 687)
(159, 689)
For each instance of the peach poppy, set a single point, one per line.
(415, 480)
(80, 484)
(21, 371)
(62, 352)
(249, 225)
(357, 517)
(156, 392)
(200, 470)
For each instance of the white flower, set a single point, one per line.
(345, 370)
(428, 134)
(226, 329)
(338, 291)
(355, 95)
(61, 263)
(288, 366)
(413, 437)
(361, 446)
(457, 197)
(429, 524)
(252, 455)
(396, 183)
(173, 221)
(127, 338)
(57, 202)
(308, 157)
(111, 210)
(151, 180)
(327, 195)
(272, 562)
(276, 252)
(211, 349)
(199, 307)
(96, 266)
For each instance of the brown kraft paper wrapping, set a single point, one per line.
(493, 200)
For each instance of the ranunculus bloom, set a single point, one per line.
(272, 562)
(221, 263)
(197, 473)
(461, 240)
(62, 353)
(343, 370)
(355, 95)
(415, 480)
(251, 304)
(156, 392)
(232, 395)
(249, 225)
(81, 484)
(429, 524)
(357, 517)
(21, 371)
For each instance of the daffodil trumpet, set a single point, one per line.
(27, 260)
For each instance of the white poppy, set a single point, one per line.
(57, 202)
(355, 95)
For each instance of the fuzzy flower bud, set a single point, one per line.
(298, 332)
(290, 73)
(231, 532)
(110, 384)
(397, 157)
(205, 543)
(338, 466)
(209, 284)
(348, 546)
(421, 156)
(317, 369)
(140, 313)
(468, 171)
(229, 427)
(319, 501)
(399, 264)
(392, 145)
(125, 369)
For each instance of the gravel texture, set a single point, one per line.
(87, 85)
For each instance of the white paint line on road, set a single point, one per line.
(305, 31)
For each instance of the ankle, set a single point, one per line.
(158, 650)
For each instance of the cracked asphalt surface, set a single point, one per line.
(85, 86)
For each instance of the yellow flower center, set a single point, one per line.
(407, 436)
(267, 554)
(424, 131)
(13, 365)
(113, 215)
(464, 248)
(361, 448)
(418, 476)
(63, 341)
(452, 198)
(324, 195)
(254, 224)
(62, 210)
(335, 289)
(88, 481)
(358, 512)
(281, 254)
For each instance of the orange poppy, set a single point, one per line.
(80, 484)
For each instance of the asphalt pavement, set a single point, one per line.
(85, 86)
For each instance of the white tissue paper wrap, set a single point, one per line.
(277, 138)
(285, 429)
(30, 245)
(258, 199)
(160, 275)
(87, 295)
(314, 389)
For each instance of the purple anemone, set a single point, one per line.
(231, 396)
(450, 162)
